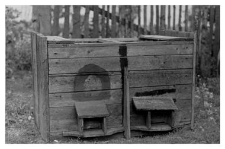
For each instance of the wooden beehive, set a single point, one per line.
(111, 75)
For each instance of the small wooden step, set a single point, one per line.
(91, 109)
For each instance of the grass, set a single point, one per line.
(20, 128)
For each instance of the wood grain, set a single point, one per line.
(79, 52)
(57, 66)
(162, 77)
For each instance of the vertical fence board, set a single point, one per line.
(76, 21)
(217, 32)
(157, 19)
(120, 21)
(56, 21)
(179, 21)
(66, 28)
(186, 18)
(95, 22)
(139, 20)
(131, 22)
(86, 21)
(174, 17)
(113, 31)
(145, 19)
(211, 19)
(103, 22)
(107, 23)
(151, 23)
(126, 23)
(162, 17)
(193, 18)
(169, 17)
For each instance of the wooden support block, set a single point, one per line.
(104, 125)
(148, 120)
(80, 125)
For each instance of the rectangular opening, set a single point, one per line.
(161, 117)
(93, 123)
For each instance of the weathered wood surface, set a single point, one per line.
(159, 62)
(159, 50)
(83, 52)
(76, 21)
(113, 29)
(96, 22)
(115, 96)
(35, 77)
(56, 20)
(162, 77)
(57, 66)
(83, 83)
(91, 109)
(66, 29)
(43, 87)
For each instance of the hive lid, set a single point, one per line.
(154, 103)
(91, 109)
(163, 38)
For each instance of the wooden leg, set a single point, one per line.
(104, 127)
(148, 120)
(80, 125)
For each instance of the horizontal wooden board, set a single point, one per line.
(83, 52)
(83, 83)
(68, 99)
(159, 62)
(133, 50)
(115, 96)
(162, 77)
(59, 66)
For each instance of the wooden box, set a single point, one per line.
(112, 72)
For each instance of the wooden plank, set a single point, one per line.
(211, 23)
(113, 30)
(83, 83)
(120, 26)
(157, 19)
(104, 126)
(162, 77)
(169, 17)
(103, 30)
(159, 50)
(186, 18)
(217, 32)
(79, 52)
(86, 22)
(174, 17)
(148, 120)
(56, 21)
(67, 99)
(43, 88)
(91, 109)
(139, 20)
(193, 83)
(107, 23)
(63, 125)
(163, 17)
(145, 19)
(80, 125)
(57, 66)
(66, 28)
(126, 106)
(131, 20)
(76, 21)
(179, 19)
(35, 77)
(160, 62)
(96, 22)
(151, 23)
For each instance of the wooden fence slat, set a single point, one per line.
(120, 21)
(125, 22)
(103, 22)
(186, 18)
(139, 20)
(86, 22)
(174, 17)
(211, 19)
(66, 28)
(76, 21)
(107, 23)
(113, 31)
(162, 17)
(151, 23)
(95, 22)
(179, 21)
(145, 19)
(157, 19)
(217, 32)
(169, 17)
(131, 22)
(56, 21)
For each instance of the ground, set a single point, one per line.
(20, 128)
